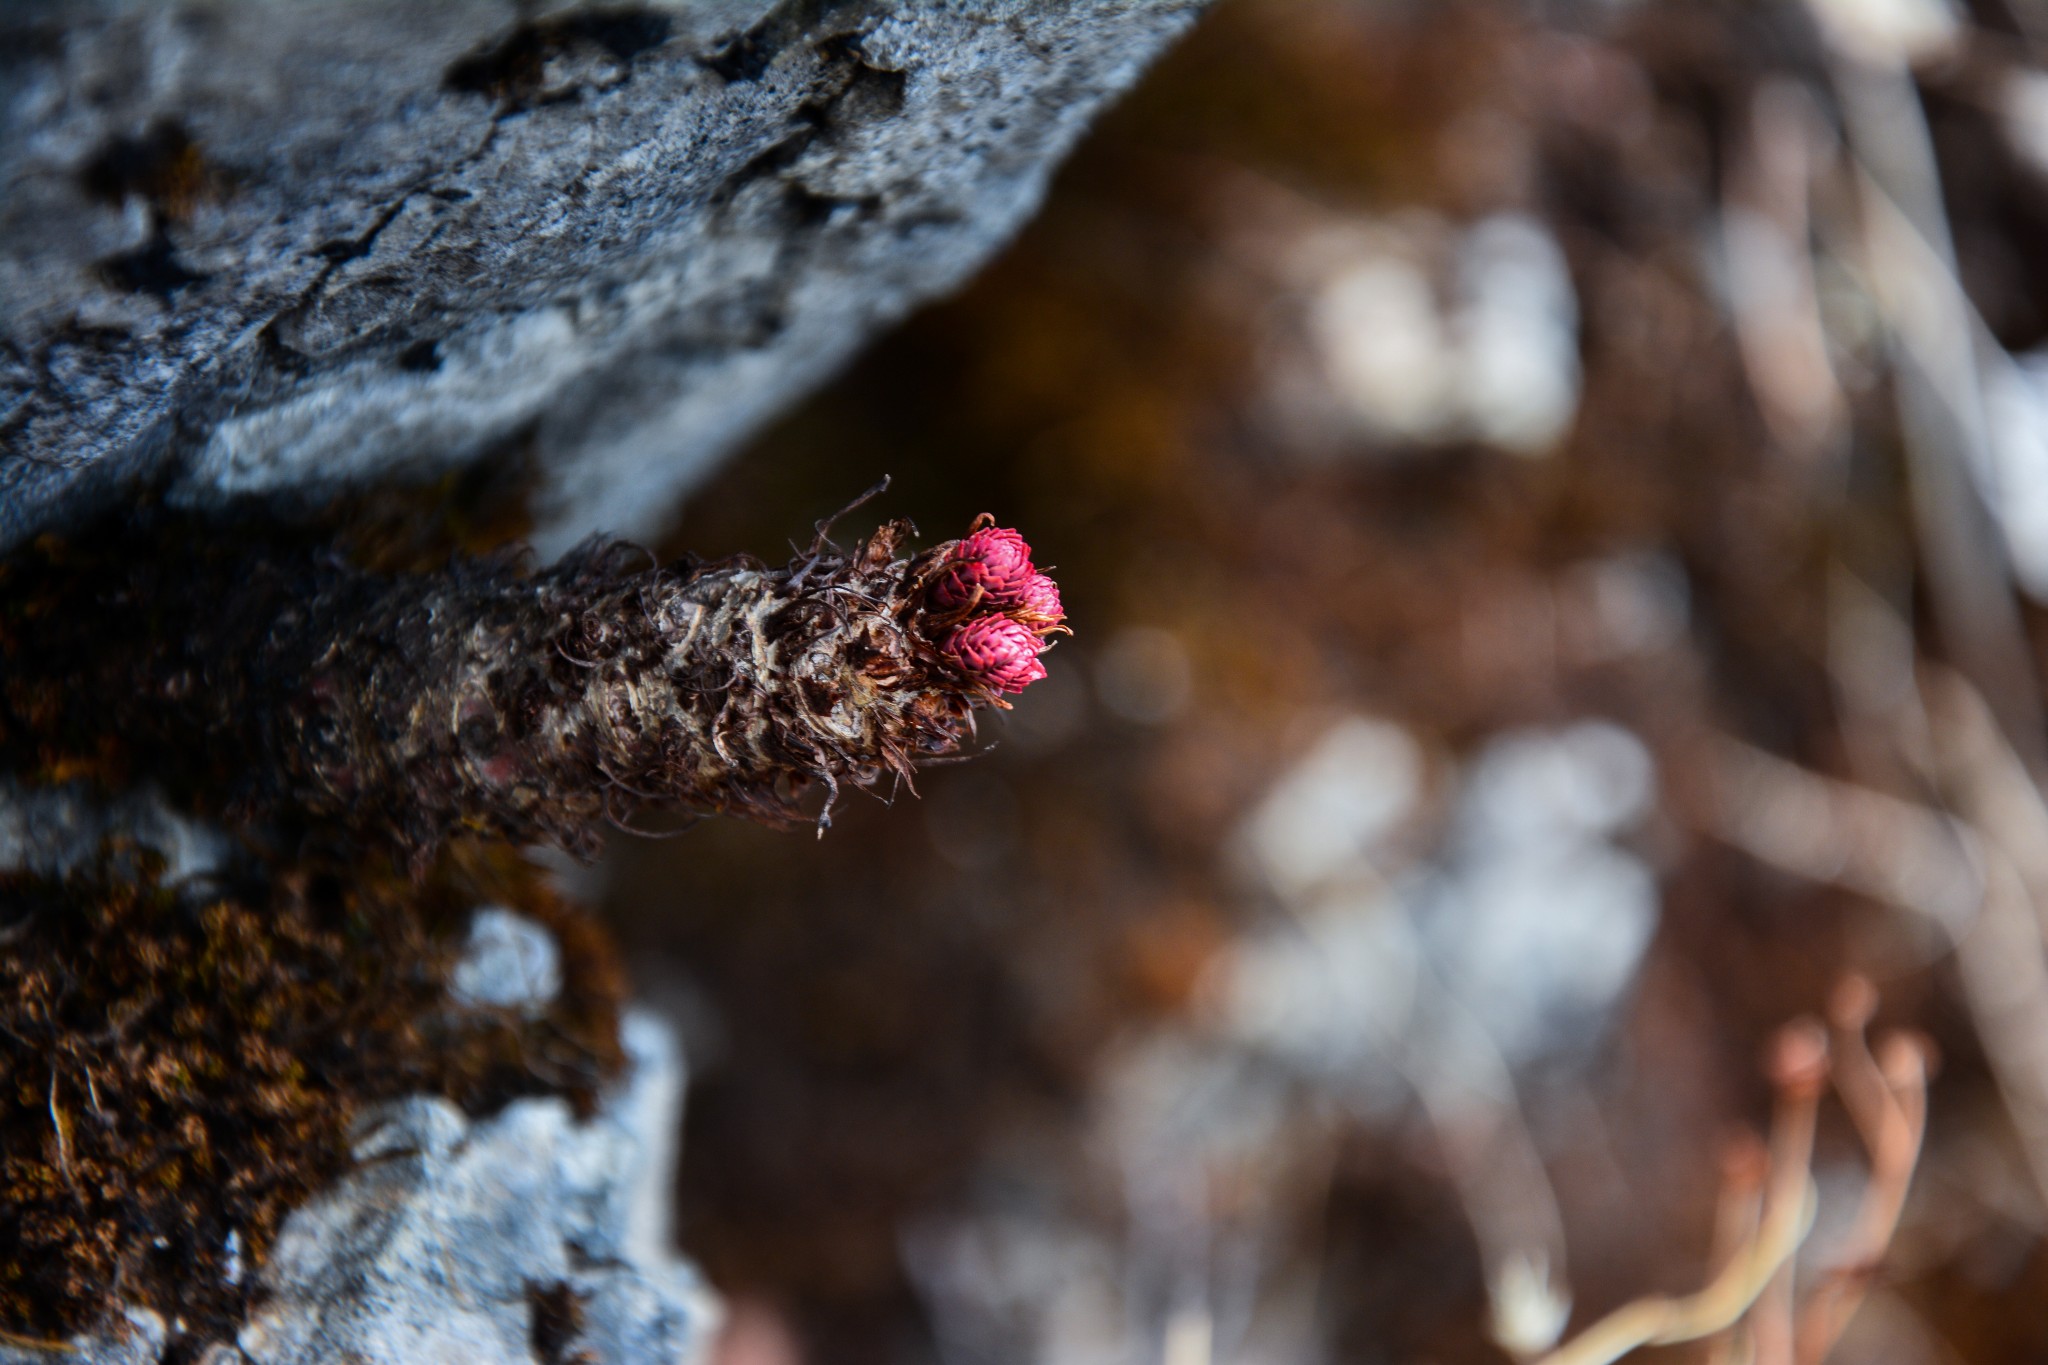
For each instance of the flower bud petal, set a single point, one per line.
(1038, 603)
(996, 651)
(995, 560)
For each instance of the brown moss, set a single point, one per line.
(176, 1067)
(555, 1316)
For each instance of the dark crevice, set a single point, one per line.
(280, 355)
(851, 92)
(151, 268)
(871, 93)
(747, 56)
(808, 208)
(625, 33)
(555, 1315)
(777, 157)
(163, 166)
(422, 357)
(514, 70)
(582, 1258)
(165, 169)
(339, 251)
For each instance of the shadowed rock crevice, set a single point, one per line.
(747, 56)
(550, 60)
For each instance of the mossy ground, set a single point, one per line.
(179, 1067)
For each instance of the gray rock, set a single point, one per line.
(438, 1246)
(260, 248)
(53, 831)
(508, 962)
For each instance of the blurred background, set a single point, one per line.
(1552, 499)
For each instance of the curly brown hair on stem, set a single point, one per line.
(492, 698)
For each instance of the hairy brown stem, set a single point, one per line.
(527, 705)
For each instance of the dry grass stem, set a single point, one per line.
(1750, 1309)
(1745, 1166)
(1886, 1096)
(1799, 1070)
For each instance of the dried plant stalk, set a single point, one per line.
(1799, 1070)
(1886, 1096)
(533, 706)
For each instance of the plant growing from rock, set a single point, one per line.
(518, 703)
(180, 1064)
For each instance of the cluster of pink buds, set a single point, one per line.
(992, 569)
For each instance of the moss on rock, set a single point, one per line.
(180, 1065)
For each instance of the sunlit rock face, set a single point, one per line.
(495, 1240)
(278, 250)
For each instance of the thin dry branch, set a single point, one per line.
(1961, 871)
(1745, 1166)
(2003, 960)
(1799, 1072)
(1886, 1096)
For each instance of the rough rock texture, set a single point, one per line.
(260, 248)
(523, 1239)
(509, 963)
(52, 831)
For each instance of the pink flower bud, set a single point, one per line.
(995, 560)
(1038, 603)
(1005, 553)
(997, 651)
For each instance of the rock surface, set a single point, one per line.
(53, 831)
(509, 962)
(258, 249)
(523, 1239)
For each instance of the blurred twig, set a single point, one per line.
(1772, 296)
(1892, 850)
(1932, 331)
(2004, 966)
(1981, 873)
(1799, 1072)
(1886, 1096)
(1472, 1105)
(1745, 1166)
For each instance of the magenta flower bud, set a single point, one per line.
(996, 651)
(995, 560)
(1038, 603)
(1004, 553)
